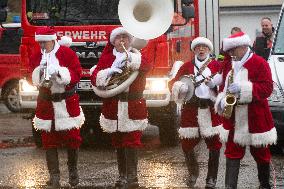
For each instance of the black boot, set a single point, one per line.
(263, 175)
(192, 166)
(213, 164)
(131, 167)
(72, 166)
(53, 168)
(121, 183)
(232, 173)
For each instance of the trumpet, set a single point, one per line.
(119, 78)
(46, 77)
(230, 99)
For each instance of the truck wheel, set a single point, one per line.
(11, 97)
(167, 119)
(91, 131)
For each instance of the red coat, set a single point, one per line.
(194, 120)
(122, 116)
(251, 121)
(67, 114)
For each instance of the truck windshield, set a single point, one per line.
(72, 12)
(279, 41)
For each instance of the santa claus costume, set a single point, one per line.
(198, 119)
(124, 115)
(251, 122)
(58, 114)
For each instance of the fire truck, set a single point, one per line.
(89, 23)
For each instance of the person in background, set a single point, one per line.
(250, 123)
(56, 70)
(263, 43)
(198, 119)
(124, 115)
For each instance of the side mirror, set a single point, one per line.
(187, 2)
(188, 12)
(3, 15)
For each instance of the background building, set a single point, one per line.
(247, 14)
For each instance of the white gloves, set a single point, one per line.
(222, 104)
(52, 69)
(234, 88)
(42, 63)
(119, 62)
(210, 83)
(113, 70)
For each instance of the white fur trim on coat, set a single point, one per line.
(242, 135)
(65, 76)
(135, 59)
(175, 92)
(223, 133)
(246, 92)
(36, 76)
(102, 78)
(61, 123)
(188, 132)
(264, 139)
(124, 123)
(205, 123)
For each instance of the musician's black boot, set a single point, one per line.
(53, 168)
(121, 183)
(263, 175)
(131, 166)
(232, 173)
(72, 166)
(213, 164)
(193, 168)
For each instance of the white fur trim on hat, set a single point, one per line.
(45, 37)
(236, 40)
(201, 40)
(65, 41)
(118, 31)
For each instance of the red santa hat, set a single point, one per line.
(201, 40)
(45, 34)
(236, 40)
(118, 31)
(65, 41)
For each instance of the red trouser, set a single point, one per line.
(213, 143)
(127, 140)
(69, 138)
(235, 151)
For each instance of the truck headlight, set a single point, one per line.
(26, 87)
(156, 84)
(277, 95)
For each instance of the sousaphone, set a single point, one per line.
(144, 19)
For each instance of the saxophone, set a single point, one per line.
(230, 99)
(119, 78)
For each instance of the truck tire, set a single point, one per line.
(11, 97)
(91, 132)
(167, 119)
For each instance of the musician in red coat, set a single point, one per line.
(125, 114)
(58, 114)
(251, 122)
(198, 119)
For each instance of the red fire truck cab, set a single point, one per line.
(89, 23)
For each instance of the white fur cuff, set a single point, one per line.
(188, 132)
(64, 77)
(264, 139)
(135, 60)
(246, 92)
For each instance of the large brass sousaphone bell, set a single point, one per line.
(144, 19)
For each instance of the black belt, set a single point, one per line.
(124, 97)
(56, 97)
(199, 102)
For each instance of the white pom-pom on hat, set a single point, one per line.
(65, 41)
